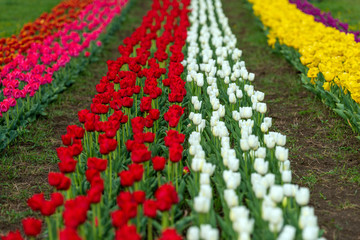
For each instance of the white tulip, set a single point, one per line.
(261, 107)
(268, 121)
(204, 178)
(302, 196)
(251, 77)
(201, 204)
(244, 145)
(286, 176)
(194, 99)
(281, 153)
(276, 193)
(260, 96)
(261, 166)
(269, 141)
(191, 116)
(236, 115)
(197, 164)
(233, 164)
(197, 118)
(204, 230)
(260, 152)
(205, 191)
(253, 142)
(231, 198)
(244, 236)
(239, 93)
(232, 98)
(245, 112)
(197, 105)
(259, 190)
(238, 212)
(208, 168)
(193, 233)
(281, 140)
(310, 233)
(243, 225)
(288, 233)
(270, 179)
(264, 127)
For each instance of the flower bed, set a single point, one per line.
(48, 23)
(327, 57)
(175, 146)
(324, 17)
(33, 79)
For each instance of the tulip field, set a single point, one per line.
(180, 119)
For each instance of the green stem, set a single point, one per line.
(165, 220)
(149, 233)
(49, 227)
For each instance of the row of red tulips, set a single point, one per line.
(121, 170)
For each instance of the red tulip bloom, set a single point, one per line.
(32, 226)
(158, 163)
(150, 208)
(126, 178)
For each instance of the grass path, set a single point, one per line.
(25, 164)
(324, 152)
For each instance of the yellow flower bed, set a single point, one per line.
(323, 49)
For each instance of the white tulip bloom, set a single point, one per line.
(310, 233)
(193, 233)
(233, 164)
(281, 140)
(276, 193)
(251, 77)
(302, 196)
(205, 191)
(264, 127)
(204, 230)
(204, 179)
(269, 141)
(208, 168)
(245, 112)
(244, 145)
(238, 212)
(197, 164)
(253, 142)
(197, 118)
(260, 152)
(244, 225)
(286, 176)
(239, 93)
(197, 105)
(232, 98)
(202, 204)
(261, 107)
(261, 166)
(288, 233)
(231, 198)
(281, 153)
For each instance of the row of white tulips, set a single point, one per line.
(214, 63)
